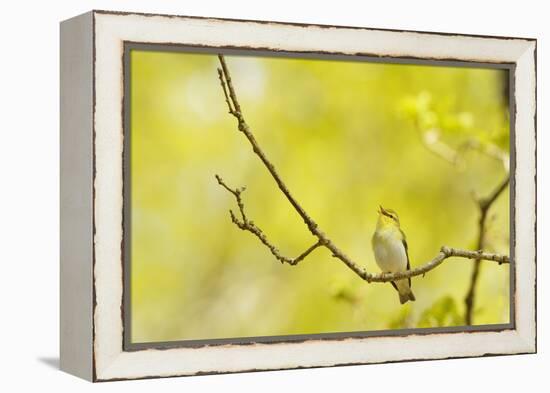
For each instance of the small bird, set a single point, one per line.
(391, 251)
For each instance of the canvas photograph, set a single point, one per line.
(241, 195)
(276, 197)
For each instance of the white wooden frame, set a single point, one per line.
(92, 195)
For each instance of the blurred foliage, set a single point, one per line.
(444, 312)
(451, 135)
(346, 137)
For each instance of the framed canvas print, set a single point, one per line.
(245, 195)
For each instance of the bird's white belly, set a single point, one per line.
(390, 254)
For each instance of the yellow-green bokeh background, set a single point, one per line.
(344, 137)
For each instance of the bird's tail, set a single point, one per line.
(404, 297)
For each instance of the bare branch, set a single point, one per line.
(483, 205)
(445, 252)
(247, 225)
(323, 240)
(244, 128)
(220, 76)
(430, 138)
(227, 77)
(480, 254)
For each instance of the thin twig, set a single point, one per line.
(247, 225)
(322, 239)
(220, 76)
(484, 205)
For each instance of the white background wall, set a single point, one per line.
(29, 181)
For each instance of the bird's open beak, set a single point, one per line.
(381, 211)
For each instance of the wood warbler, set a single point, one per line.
(391, 251)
